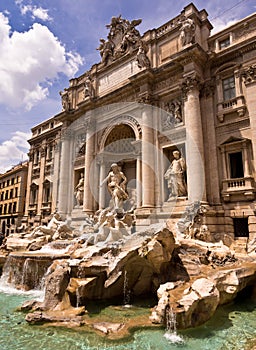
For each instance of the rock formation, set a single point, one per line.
(190, 276)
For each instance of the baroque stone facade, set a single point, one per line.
(174, 88)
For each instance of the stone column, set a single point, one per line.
(210, 146)
(138, 182)
(65, 170)
(102, 188)
(246, 161)
(29, 182)
(56, 170)
(194, 140)
(41, 179)
(224, 165)
(89, 175)
(148, 174)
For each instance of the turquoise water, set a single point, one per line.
(230, 329)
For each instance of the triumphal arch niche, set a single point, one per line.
(132, 136)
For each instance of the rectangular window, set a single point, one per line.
(236, 165)
(224, 43)
(228, 86)
(241, 227)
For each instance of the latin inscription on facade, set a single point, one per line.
(117, 77)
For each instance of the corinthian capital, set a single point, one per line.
(190, 83)
(249, 74)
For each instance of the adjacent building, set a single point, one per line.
(43, 168)
(13, 185)
(174, 88)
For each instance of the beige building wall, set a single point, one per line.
(12, 198)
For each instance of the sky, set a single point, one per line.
(44, 43)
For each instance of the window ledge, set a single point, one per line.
(238, 189)
(236, 104)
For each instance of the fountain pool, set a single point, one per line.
(232, 328)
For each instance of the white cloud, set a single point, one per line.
(14, 150)
(36, 12)
(29, 62)
(219, 24)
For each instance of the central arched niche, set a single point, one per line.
(119, 140)
(119, 148)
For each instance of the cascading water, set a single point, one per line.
(171, 327)
(7, 285)
(126, 291)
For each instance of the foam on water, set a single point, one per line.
(8, 288)
(173, 338)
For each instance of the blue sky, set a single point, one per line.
(45, 43)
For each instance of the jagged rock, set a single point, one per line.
(158, 313)
(36, 317)
(198, 303)
(15, 242)
(107, 327)
(56, 284)
(72, 316)
(38, 243)
(192, 276)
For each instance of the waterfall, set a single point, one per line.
(12, 278)
(126, 291)
(171, 326)
(78, 297)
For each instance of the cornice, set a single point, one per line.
(231, 53)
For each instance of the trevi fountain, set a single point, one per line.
(104, 285)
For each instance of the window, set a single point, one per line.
(224, 43)
(236, 165)
(241, 227)
(47, 192)
(6, 194)
(14, 209)
(237, 170)
(33, 194)
(37, 157)
(49, 152)
(228, 86)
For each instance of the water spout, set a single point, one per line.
(171, 327)
(126, 291)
